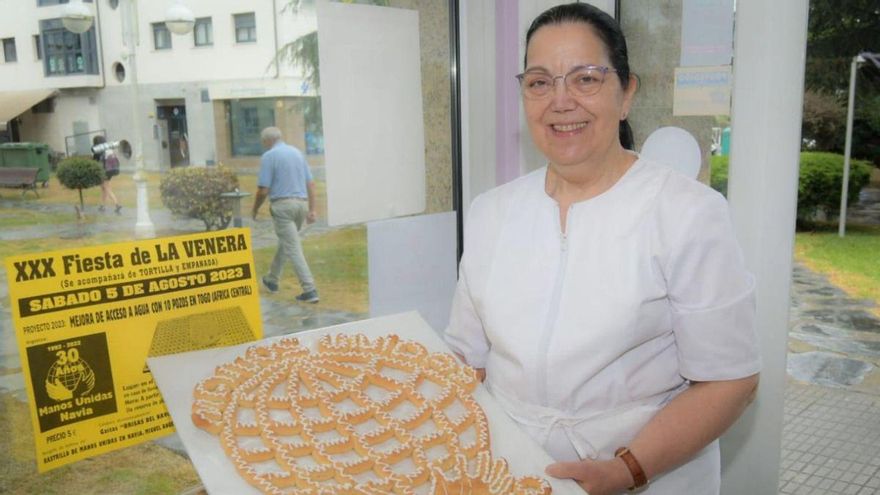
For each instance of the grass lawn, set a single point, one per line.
(338, 261)
(852, 262)
(145, 469)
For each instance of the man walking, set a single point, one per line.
(286, 180)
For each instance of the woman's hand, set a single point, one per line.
(595, 477)
(481, 374)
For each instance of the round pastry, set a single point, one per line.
(357, 416)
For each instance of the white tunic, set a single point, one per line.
(586, 335)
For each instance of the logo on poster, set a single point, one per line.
(69, 374)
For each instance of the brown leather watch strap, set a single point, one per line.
(635, 469)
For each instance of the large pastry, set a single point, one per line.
(357, 416)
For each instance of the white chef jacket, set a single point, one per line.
(586, 334)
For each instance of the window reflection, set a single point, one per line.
(219, 127)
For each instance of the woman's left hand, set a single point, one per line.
(595, 477)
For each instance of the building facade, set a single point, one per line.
(203, 96)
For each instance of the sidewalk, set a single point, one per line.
(831, 432)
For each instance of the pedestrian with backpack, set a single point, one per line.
(104, 154)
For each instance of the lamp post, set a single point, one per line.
(850, 110)
(78, 18)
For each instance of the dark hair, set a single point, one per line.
(98, 140)
(608, 31)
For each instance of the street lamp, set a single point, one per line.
(850, 110)
(78, 18)
(179, 19)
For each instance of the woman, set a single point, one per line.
(110, 162)
(604, 296)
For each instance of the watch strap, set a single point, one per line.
(635, 469)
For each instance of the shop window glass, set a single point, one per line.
(246, 119)
(220, 128)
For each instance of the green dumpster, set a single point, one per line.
(27, 155)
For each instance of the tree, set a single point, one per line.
(80, 173)
(838, 31)
(824, 120)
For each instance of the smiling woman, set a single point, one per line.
(612, 282)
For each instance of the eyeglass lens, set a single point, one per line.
(582, 82)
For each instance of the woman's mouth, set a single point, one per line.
(576, 126)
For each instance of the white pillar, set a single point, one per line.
(768, 81)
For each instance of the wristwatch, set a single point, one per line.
(635, 469)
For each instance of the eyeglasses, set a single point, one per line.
(583, 80)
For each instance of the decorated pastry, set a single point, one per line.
(358, 416)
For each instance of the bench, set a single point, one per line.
(24, 178)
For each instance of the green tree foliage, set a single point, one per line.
(80, 173)
(838, 31)
(821, 176)
(824, 120)
(194, 192)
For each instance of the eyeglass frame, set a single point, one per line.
(604, 70)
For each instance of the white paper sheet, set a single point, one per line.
(371, 98)
(178, 374)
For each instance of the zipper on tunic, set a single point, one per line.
(553, 313)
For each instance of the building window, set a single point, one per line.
(161, 36)
(203, 32)
(245, 28)
(65, 52)
(246, 119)
(38, 48)
(9, 53)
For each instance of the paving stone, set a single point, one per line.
(824, 368)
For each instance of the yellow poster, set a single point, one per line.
(87, 319)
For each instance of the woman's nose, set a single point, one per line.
(561, 99)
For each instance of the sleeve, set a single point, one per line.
(264, 179)
(712, 294)
(465, 333)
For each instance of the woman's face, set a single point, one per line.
(571, 129)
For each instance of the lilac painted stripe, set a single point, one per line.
(507, 90)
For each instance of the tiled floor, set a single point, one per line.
(831, 441)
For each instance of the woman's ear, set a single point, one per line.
(629, 95)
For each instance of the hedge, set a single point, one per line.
(821, 175)
(194, 192)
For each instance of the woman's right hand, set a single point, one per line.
(481, 372)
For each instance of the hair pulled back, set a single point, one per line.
(608, 31)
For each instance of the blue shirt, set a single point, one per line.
(283, 169)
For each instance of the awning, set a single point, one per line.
(15, 103)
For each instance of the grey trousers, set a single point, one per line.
(288, 216)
